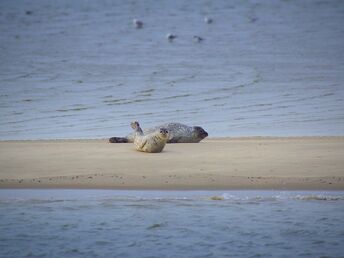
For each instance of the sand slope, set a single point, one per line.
(228, 163)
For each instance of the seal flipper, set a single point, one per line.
(118, 140)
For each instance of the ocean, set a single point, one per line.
(110, 223)
(80, 69)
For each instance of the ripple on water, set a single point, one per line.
(282, 223)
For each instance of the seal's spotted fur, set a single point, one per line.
(178, 133)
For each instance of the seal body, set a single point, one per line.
(152, 142)
(177, 133)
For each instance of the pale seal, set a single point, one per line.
(152, 142)
(178, 133)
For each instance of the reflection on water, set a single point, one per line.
(76, 69)
(97, 223)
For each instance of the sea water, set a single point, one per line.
(80, 69)
(109, 223)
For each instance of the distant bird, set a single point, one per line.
(208, 20)
(197, 39)
(137, 24)
(170, 36)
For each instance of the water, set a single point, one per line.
(79, 69)
(109, 223)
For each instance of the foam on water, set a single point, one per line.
(51, 196)
(81, 70)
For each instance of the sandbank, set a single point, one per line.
(286, 163)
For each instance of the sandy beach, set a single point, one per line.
(219, 163)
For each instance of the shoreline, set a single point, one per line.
(271, 185)
(214, 138)
(228, 163)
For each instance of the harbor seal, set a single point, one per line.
(152, 142)
(178, 133)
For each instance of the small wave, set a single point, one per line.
(113, 101)
(257, 198)
(319, 198)
(142, 199)
(144, 93)
(72, 109)
(156, 226)
(235, 198)
(33, 201)
(28, 100)
(124, 101)
(216, 98)
(146, 200)
(177, 96)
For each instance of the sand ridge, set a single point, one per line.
(216, 163)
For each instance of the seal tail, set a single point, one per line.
(118, 140)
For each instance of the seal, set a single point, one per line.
(178, 133)
(153, 142)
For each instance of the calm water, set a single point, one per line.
(91, 223)
(79, 69)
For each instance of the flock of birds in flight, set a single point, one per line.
(169, 36)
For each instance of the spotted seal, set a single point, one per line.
(152, 142)
(178, 133)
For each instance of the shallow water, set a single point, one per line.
(79, 69)
(108, 223)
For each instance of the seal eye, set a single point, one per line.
(201, 132)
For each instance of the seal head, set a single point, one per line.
(164, 133)
(199, 133)
(136, 126)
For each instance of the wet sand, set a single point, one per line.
(218, 163)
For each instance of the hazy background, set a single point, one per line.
(79, 69)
